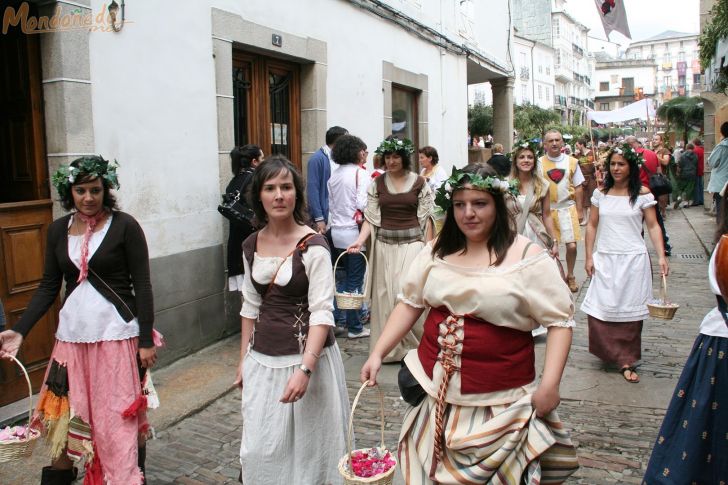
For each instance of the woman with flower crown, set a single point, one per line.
(478, 413)
(105, 339)
(620, 268)
(534, 219)
(398, 217)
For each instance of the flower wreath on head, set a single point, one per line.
(395, 145)
(629, 153)
(531, 145)
(92, 166)
(459, 178)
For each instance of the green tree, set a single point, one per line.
(683, 114)
(532, 121)
(480, 119)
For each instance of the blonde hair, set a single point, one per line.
(539, 182)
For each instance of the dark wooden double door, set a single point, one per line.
(267, 105)
(25, 206)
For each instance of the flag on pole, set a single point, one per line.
(614, 16)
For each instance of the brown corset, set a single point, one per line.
(282, 325)
(399, 211)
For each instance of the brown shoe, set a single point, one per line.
(571, 281)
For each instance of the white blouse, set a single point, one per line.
(620, 223)
(86, 315)
(316, 261)
(347, 193)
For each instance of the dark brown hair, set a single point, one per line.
(431, 152)
(269, 168)
(502, 234)
(67, 200)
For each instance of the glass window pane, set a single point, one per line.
(241, 102)
(403, 116)
(280, 116)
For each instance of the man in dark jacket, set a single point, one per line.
(500, 162)
(318, 171)
(687, 170)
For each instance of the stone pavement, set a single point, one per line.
(613, 423)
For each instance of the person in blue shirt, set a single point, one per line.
(718, 162)
(318, 172)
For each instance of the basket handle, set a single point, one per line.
(663, 289)
(351, 419)
(30, 388)
(366, 265)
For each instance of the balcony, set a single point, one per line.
(559, 101)
(590, 103)
(525, 74)
(577, 50)
(667, 66)
(563, 74)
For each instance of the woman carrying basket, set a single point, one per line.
(399, 219)
(477, 411)
(347, 200)
(104, 329)
(294, 402)
(620, 270)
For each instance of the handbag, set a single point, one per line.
(659, 183)
(233, 206)
(411, 390)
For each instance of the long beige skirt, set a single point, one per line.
(497, 445)
(390, 263)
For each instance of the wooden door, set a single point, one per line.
(267, 104)
(25, 207)
(23, 230)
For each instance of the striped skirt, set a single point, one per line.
(504, 444)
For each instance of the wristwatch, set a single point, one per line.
(305, 370)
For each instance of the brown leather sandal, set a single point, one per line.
(632, 373)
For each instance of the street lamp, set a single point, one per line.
(114, 13)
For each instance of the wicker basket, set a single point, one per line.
(351, 301)
(663, 310)
(14, 450)
(345, 462)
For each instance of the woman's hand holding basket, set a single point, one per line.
(370, 370)
(10, 342)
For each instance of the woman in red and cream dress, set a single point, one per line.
(482, 413)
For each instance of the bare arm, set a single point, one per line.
(247, 326)
(547, 398)
(579, 203)
(591, 235)
(548, 223)
(298, 382)
(400, 321)
(364, 233)
(653, 228)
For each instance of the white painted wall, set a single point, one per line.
(154, 104)
(644, 78)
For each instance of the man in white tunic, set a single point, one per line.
(565, 180)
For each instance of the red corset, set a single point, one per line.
(493, 358)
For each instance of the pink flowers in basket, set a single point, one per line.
(372, 462)
(11, 434)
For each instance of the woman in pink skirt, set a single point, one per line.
(104, 341)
